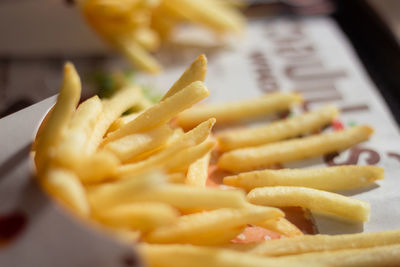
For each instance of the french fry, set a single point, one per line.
(72, 147)
(197, 173)
(176, 178)
(161, 159)
(66, 186)
(57, 121)
(179, 196)
(220, 18)
(217, 237)
(277, 131)
(281, 226)
(112, 109)
(163, 111)
(245, 159)
(196, 72)
(194, 256)
(330, 179)
(236, 111)
(133, 145)
(97, 167)
(121, 121)
(128, 236)
(138, 216)
(313, 199)
(319, 243)
(182, 160)
(375, 256)
(147, 38)
(198, 224)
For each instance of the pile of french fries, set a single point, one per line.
(138, 27)
(143, 177)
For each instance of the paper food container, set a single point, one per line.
(310, 56)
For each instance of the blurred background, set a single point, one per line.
(38, 36)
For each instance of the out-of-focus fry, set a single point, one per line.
(196, 72)
(245, 159)
(147, 38)
(176, 178)
(180, 196)
(182, 160)
(163, 111)
(191, 138)
(57, 122)
(276, 131)
(97, 167)
(112, 109)
(73, 145)
(66, 186)
(139, 216)
(313, 199)
(221, 18)
(332, 178)
(194, 256)
(126, 235)
(133, 145)
(197, 173)
(375, 256)
(197, 224)
(236, 111)
(281, 226)
(314, 243)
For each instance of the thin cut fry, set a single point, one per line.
(277, 131)
(142, 216)
(263, 156)
(191, 138)
(112, 109)
(66, 186)
(196, 72)
(332, 178)
(194, 256)
(198, 224)
(182, 160)
(281, 226)
(313, 199)
(315, 243)
(163, 111)
(128, 147)
(58, 120)
(197, 173)
(72, 148)
(237, 111)
(179, 196)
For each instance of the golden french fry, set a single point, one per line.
(147, 38)
(112, 109)
(179, 196)
(277, 131)
(182, 160)
(163, 111)
(196, 72)
(121, 121)
(126, 235)
(176, 178)
(66, 186)
(217, 237)
(194, 256)
(221, 18)
(161, 159)
(197, 173)
(139, 216)
(198, 224)
(97, 167)
(236, 111)
(133, 145)
(57, 121)
(72, 147)
(245, 159)
(332, 178)
(313, 199)
(315, 243)
(281, 226)
(375, 256)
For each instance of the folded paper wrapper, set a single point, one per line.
(308, 55)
